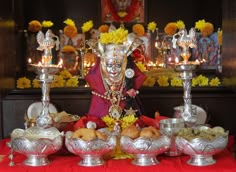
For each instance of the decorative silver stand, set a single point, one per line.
(186, 71)
(45, 72)
(186, 41)
(162, 46)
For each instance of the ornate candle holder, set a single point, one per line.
(163, 46)
(45, 74)
(186, 68)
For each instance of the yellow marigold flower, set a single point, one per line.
(23, 82)
(180, 24)
(215, 82)
(36, 83)
(69, 22)
(114, 37)
(141, 66)
(171, 28)
(58, 82)
(127, 121)
(103, 28)
(122, 14)
(176, 82)
(87, 26)
(207, 29)
(163, 81)
(194, 82)
(138, 29)
(202, 80)
(68, 49)
(149, 82)
(200, 24)
(72, 82)
(65, 74)
(109, 121)
(70, 31)
(219, 36)
(152, 26)
(34, 26)
(47, 24)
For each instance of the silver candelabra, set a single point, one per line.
(186, 68)
(45, 74)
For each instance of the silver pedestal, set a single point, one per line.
(186, 74)
(45, 74)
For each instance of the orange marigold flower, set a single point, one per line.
(34, 26)
(207, 29)
(68, 49)
(138, 29)
(171, 28)
(70, 31)
(103, 28)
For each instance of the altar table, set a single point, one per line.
(225, 162)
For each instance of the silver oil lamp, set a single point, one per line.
(37, 142)
(186, 68)
(45, 74)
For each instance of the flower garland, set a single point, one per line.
(165, 81)
(130, 11)
(63, 79)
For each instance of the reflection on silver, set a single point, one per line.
(170, 127)
(200, 150)
(92, 151)
(145, 150)
(186, 41)
(45, 74)
(36, 144)
(186, 75)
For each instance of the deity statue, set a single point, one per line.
(115, 80)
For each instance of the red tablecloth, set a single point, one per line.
(225, 162)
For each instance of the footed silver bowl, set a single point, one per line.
(92, 151)
(36, 144)
(145, 150)
(201, 151)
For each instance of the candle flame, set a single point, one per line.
(176, 60)
(29, 60)
(60, 63)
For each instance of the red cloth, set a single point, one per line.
(225, 162)
(99, 106)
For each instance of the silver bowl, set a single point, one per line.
(92, 151)
(145, 150)
(36, 144)
(201, 151)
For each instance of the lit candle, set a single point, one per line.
(176, 60)
(29, 60)
(60, 63)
